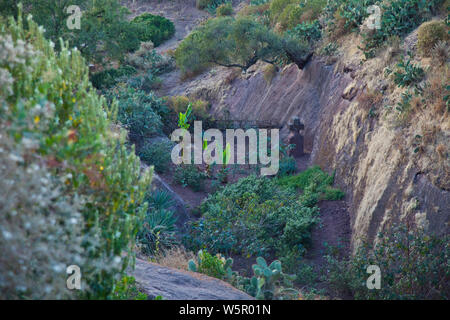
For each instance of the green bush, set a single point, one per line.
(50, 108)
(138, 112)
(355, 11)
(190, 176)
(408, 74)
(277, 7)
(413, 265)
(199, 107)
(157, 231)
(158, 154)
(154, 28)
(213, 266)
(239, 42)
(297, 12)
(159, 200)
(104, 34)
(210, 5)
(268, 283)
(430, 33)
(399, 17)
(126, 289)
(107, 78)
(225, 9)
(254, 216)
(316, 179)
(308, 31)
(146, 58)
(287, 166)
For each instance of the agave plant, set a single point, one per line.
(157, 230)
(160, 200)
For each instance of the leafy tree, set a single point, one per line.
(240, 42)
(105, 31)
(154, 28)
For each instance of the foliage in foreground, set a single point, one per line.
(60, 134)
(126, 289)
(413, 264)
(157, 230)
(268, 282)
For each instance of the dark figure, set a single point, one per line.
(296, 138)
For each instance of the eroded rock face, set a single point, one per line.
(380, 181)
(173, 284)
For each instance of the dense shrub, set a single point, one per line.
(269, 282)
(105, 32)
(35, 214)
(441, 52)
(157, 232)
(225, 9)
(190, 176)
(146, 58)
(157, 153)
(355, 11)
(126, 289)
(256, 217)
(210, 5)
(308, 31)
(107, 78)
(408, 73)
(413, 265)
(288, 165)
(277, 7)
(213, 266)
(154, 28)
(139, 112)
(429, 34)
(299, 11)
(179, 104)
(85, 189)
(240, 42)
(399, 17)
(314, 178)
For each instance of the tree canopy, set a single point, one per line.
(105, 31)
(237, 42)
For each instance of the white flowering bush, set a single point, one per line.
(71, 192)
(40, 226)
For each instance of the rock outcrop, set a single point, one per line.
(173, 284)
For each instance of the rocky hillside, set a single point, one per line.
(385, 182)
